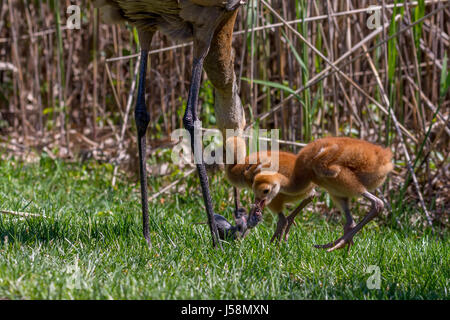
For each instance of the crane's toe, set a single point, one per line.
(341, 245)
(290, 222)
(344, 241)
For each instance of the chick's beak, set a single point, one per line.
(255, 216)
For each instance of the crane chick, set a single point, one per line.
(266, 185)
(345, 167)
(227, 231)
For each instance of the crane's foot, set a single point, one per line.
(281, 228)
(345, 241)
(290, 222)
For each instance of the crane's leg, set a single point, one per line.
(347, 238)
(237, 201)
(202, 41)
(219, 66)
(142, 118)
(291, 217)
(281, 227)
(343, 205)
(212, 47)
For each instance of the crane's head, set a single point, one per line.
(265, 188)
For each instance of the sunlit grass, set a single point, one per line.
(91, 247)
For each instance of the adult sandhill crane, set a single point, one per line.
(209, 23)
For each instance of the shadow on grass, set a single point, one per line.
(88, 230)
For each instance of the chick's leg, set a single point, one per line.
(291, 217)
(350, 229)
(281, 227)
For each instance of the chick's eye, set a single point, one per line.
(266, 191)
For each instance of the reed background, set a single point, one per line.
(69, 93)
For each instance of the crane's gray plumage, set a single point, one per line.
(174, 18)
(229, 232)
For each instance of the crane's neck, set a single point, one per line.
(235, 151)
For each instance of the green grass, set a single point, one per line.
(91, 247)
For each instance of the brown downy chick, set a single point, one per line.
(268, 186)
(344, 167)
